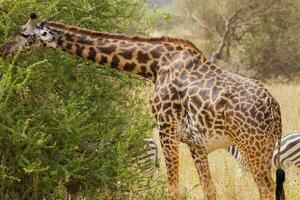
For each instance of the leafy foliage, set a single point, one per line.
(67, 126)
(271, 44)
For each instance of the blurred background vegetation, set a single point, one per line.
(259, 39)
(70, 128)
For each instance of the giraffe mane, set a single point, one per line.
(95, 34)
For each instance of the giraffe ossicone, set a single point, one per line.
(194, 101)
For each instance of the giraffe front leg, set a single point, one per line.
(169, 142)
(200, 157)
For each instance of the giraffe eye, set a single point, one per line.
(44, 34)
(25, 35)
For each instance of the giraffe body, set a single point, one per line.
(193, 101)
(208, 108)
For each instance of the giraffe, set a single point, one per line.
(194, 101)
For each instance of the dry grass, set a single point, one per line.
(224, 168)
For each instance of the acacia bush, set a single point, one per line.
(66, 126)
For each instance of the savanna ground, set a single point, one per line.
(224, 168)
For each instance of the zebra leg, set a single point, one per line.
(241, 171)
(200, 157)
(234, 151)
(243, 168)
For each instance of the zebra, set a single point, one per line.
(289, 153)
(149, 157)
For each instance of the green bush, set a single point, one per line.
(67, 126)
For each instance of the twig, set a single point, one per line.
(206, 26)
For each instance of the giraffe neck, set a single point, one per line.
(142, 56)
(138, 55)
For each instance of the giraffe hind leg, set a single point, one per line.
(259, 163)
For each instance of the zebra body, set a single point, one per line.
(289, 152)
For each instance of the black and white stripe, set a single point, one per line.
(150, 155)
(233, 150)
(289, 152)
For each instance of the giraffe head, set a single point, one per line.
(27, 38)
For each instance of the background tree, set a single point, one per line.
(257, 38)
